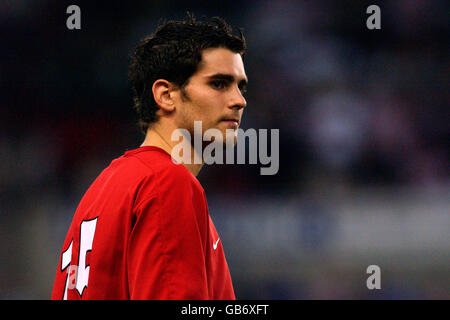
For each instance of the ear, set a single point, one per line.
(162, 93)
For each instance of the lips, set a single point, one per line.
(231, 119)
(231, 123)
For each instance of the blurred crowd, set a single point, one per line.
(356, 108)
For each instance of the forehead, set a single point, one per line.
(221, 61)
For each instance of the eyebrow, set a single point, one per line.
(228, 78)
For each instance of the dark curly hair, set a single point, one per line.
(173, 53)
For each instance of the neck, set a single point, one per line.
(159, 138)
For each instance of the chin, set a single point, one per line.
(225, 138)
(231, 139)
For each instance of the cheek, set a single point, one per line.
(206, 111)
(184, 117)
(203, 106)
(191, 112)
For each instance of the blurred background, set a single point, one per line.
(363, 119)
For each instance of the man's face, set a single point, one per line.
(214, 94)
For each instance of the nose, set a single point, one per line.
(237, 101)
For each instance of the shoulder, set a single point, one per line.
(175, 180)
(175, 195)
(161, 167)
(157, 175)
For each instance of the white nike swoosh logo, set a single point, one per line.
(215, 244)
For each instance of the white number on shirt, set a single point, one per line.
(80, 273)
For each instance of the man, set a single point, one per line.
(143, 230)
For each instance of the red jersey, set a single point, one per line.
(143, 231)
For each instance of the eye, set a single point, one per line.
(242, 85)
(218, 84)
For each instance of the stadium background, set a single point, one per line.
(363, 119)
